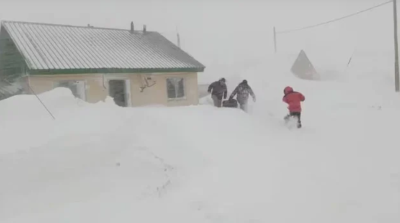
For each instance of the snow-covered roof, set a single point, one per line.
(64, 48)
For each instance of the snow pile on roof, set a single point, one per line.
(102, 163)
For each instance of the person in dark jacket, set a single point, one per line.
(218, 91)
(293, 99)
(243, 91)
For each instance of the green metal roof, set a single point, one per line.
(63, 49)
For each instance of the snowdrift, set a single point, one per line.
(102, 163)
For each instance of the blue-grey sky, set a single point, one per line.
(226, 35)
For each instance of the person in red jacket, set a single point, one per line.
(293, 99)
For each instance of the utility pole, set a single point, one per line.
(396, 48)
(275, 40)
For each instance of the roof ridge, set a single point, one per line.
(64, 25)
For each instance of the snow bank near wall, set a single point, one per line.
(25, 119)
(28, 106)
(91, 159)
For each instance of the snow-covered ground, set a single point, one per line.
(101, 163)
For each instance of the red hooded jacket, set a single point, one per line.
(293, 99)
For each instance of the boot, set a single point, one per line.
(299, 125)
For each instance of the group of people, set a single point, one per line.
(219, 91)
(243, 91)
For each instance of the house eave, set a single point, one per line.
(112, 71)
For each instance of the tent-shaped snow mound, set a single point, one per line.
(303, 67)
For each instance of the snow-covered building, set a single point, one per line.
(135, 67)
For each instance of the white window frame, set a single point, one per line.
(81, 88)
(128, 92)
(184, 89)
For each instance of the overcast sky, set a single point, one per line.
(226, 35)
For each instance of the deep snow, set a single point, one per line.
(101, 163)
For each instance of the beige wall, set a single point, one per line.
(157, 94)
(96, 87)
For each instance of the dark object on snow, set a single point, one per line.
(231, 103)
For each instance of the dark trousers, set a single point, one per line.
(296, 115)
(217, 100)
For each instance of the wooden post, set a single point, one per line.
(275, 40)
(396, 48)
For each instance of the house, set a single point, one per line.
(135, 67)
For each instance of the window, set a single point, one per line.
(175, 88)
